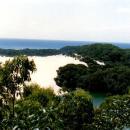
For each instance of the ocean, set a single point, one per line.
(45, 44)
(37, 44)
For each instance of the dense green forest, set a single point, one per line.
(31, 107)
(107, 53)
(112, 77)
(102, 52)
(29, 52)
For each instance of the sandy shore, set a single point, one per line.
(46, 68)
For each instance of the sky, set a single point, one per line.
(85, 20)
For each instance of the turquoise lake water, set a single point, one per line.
(98, 98)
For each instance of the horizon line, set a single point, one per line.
(63, 40)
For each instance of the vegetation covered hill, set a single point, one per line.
(110, 78)
(103, 52)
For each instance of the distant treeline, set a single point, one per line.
(29, 52)
(101, 52)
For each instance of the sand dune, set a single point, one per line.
(46, 68)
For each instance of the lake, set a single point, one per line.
(98, 98)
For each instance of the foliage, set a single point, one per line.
(75, 109)
(113, 80)
(68, 76)
(107, 53)
(29, 52)
(96, 78)
(113, 114)
(14, 73)
(36, 93)
(34, 110)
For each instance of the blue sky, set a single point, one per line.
(94, 20)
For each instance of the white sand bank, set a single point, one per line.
(46, 68)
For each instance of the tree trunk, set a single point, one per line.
(13, 102)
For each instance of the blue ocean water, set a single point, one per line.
(45, 44)
(37, 44)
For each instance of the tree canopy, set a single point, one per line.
(13, 75)
(69, 75)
